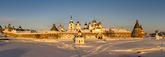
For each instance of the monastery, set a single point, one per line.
(89, 30)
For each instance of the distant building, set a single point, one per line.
(61, 28)
(88, 28)
(79, 38)
(78, 26)
(85, 26)
(99, 36)
(138, 30)
(53, 29)
(71, 25)
(92, 25)
(19, 29)
(157, 35)
(97, 28)
(1, 29)
(8, 29)
(12, 29)
(99, 25)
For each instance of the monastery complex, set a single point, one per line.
(89, 30)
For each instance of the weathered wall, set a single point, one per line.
(66, 35)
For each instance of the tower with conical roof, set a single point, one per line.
(61, 28)
(142, 29)
(137, 30)
(54, 28)
(71, 24)
(137, 24)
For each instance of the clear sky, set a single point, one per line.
(41, 14)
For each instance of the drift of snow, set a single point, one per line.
(29, 47)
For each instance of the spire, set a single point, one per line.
(137, 24)
(54, 28)
(71, 17)
(71, 21)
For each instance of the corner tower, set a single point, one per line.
(138, 30)
(54, 28)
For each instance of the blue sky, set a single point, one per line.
(41, 14)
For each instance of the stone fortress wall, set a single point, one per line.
(65, 35)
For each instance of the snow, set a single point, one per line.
(30, 47)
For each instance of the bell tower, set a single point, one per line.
(71, 24)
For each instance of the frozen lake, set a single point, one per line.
(21, 47)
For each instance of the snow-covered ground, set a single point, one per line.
(28, 47)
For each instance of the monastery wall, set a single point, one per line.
(65, 35)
